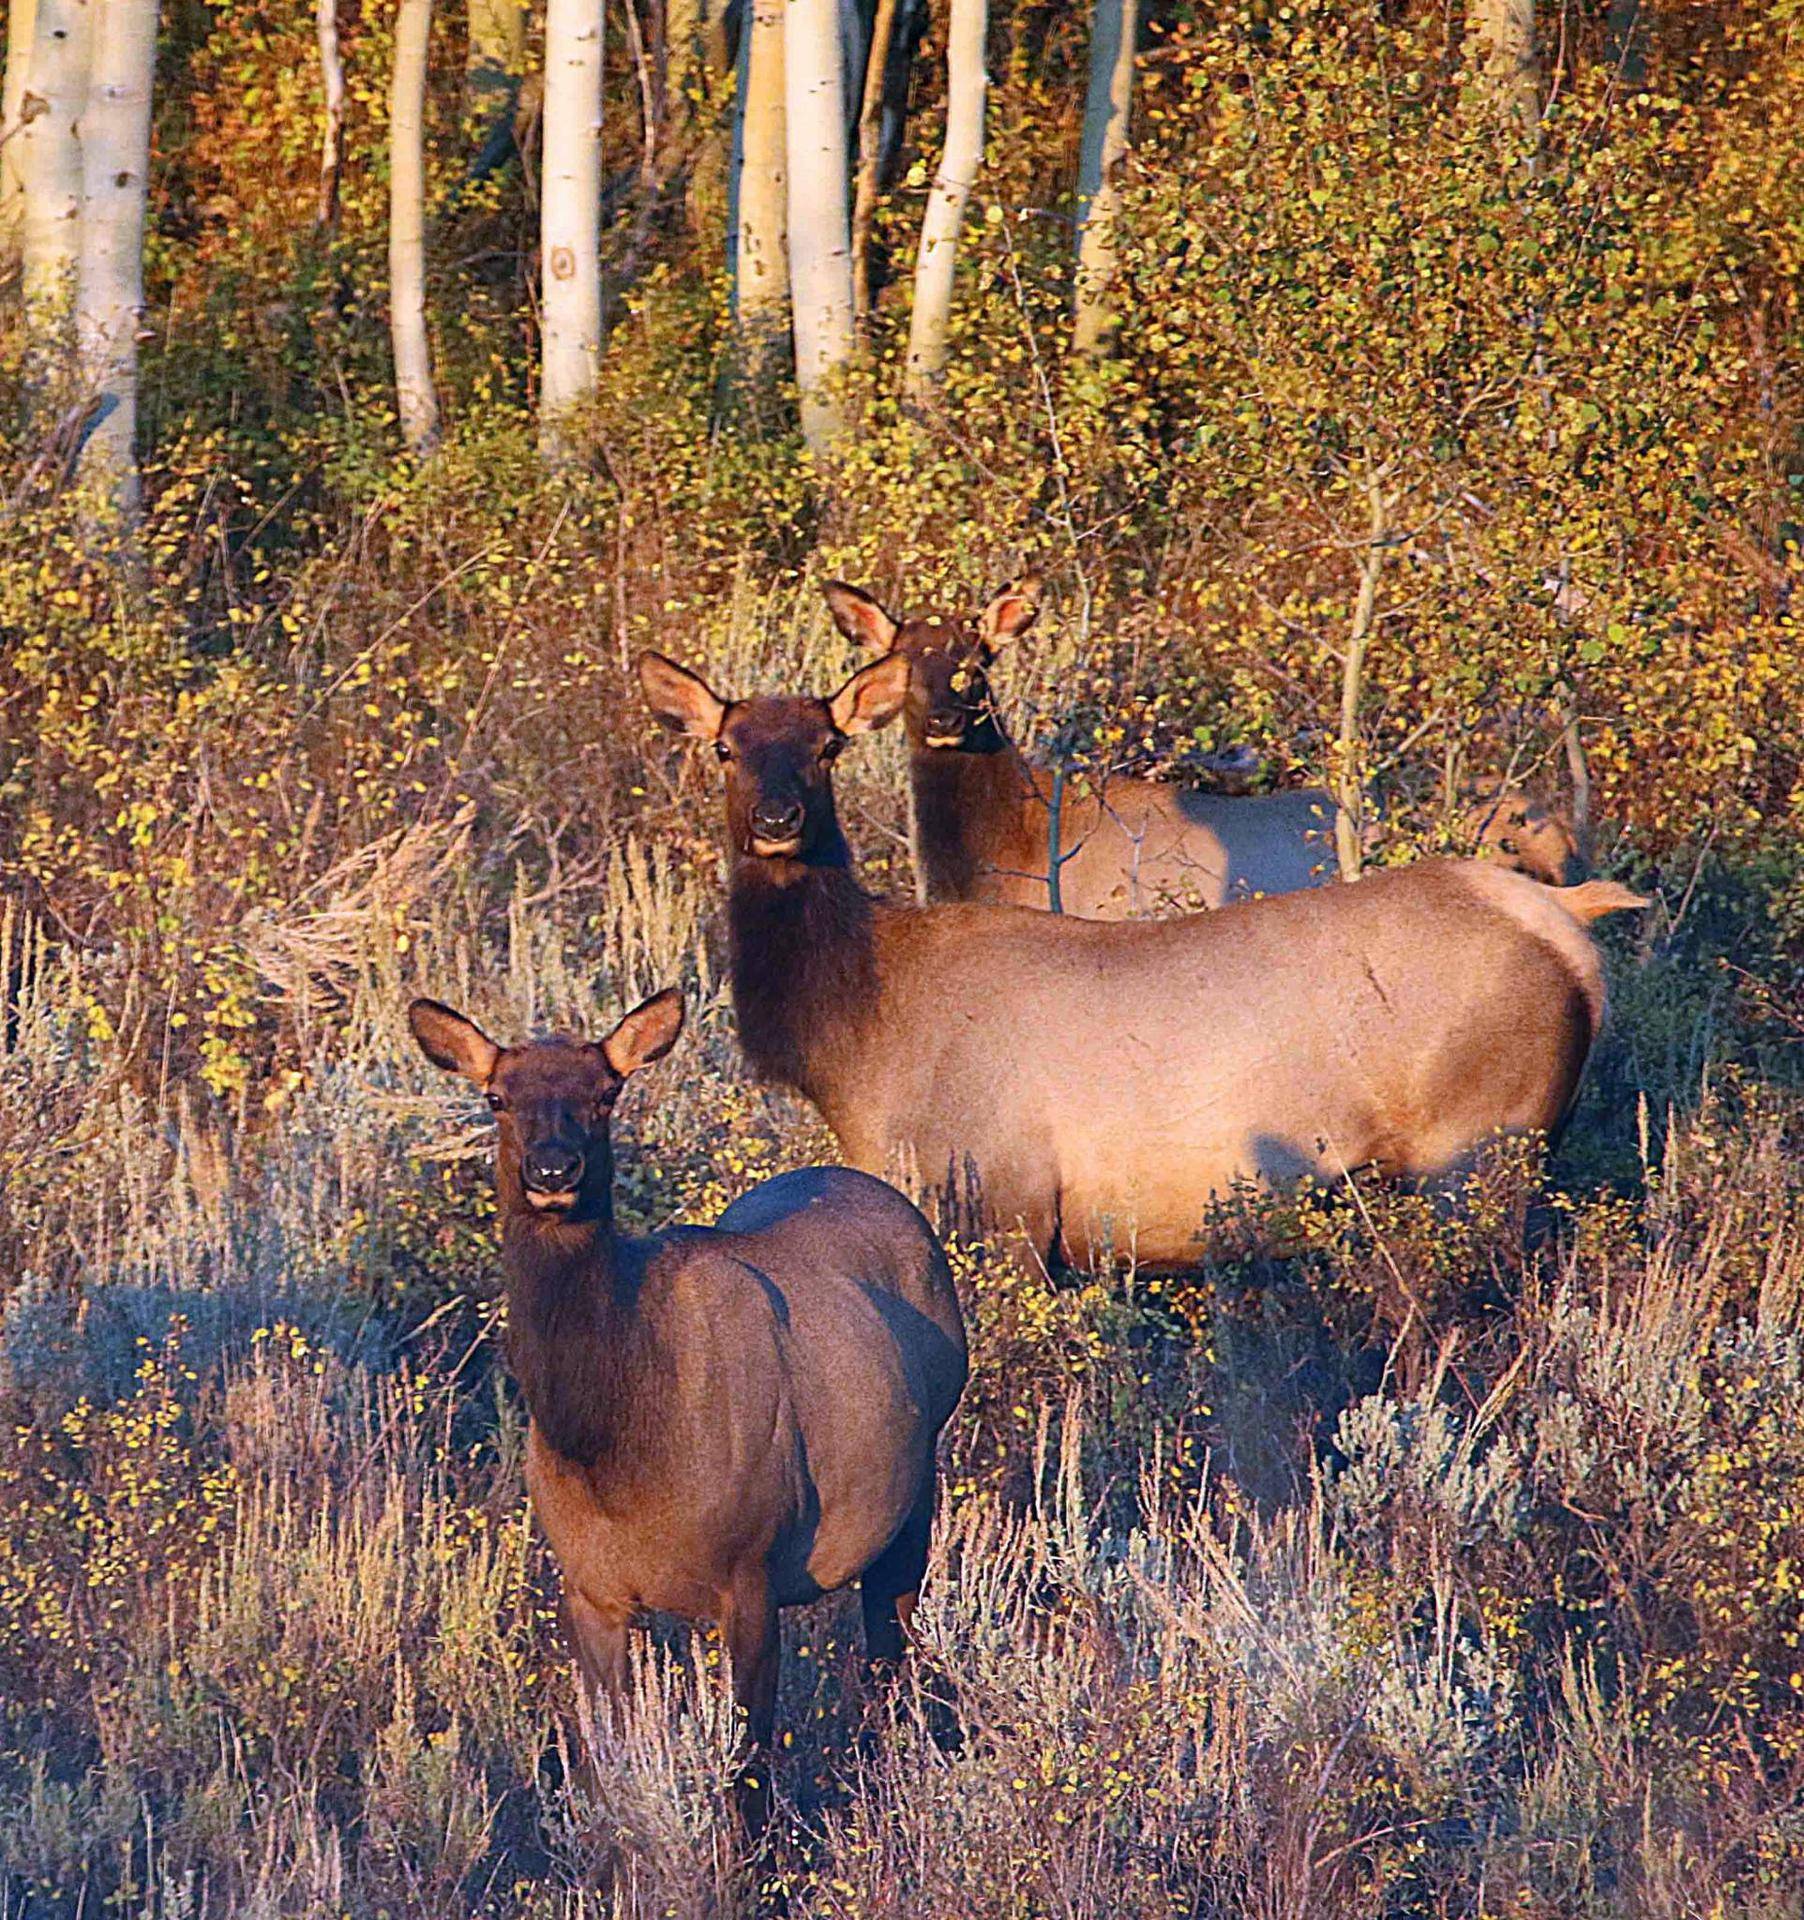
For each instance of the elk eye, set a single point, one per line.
(496, 1103)
(832, 750)
(722, 751)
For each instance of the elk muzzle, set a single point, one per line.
(551, 1175)
(777, 827)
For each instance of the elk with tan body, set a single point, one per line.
(1101, 1084)
(983, 816)
(725, 1420)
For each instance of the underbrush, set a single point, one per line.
(1428, 1558)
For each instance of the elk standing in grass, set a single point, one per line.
(1099, 1085)
(984, 817)
(725, 1420)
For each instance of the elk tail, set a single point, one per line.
(1592, 899)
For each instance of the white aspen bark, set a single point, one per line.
(820, 238)
(1505, 34)
(570, 218)
(115, 147)
(21, 20)
(1107, 107)
(50, 169)
(416, 400)
(760, 199)
(966, 37)
(332, 85)
(870, 156)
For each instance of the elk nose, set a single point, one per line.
(946, 723)
(553, 1169)
(777, 819)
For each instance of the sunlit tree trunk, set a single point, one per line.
(50, 168)
(21, 18)
(115, 146)
(760, 202)
(1504, 32)
(820, 240)
(1107, 108)
(869, 182)
(945, 215)
(570, 218)
(417, 402)
(332, 87)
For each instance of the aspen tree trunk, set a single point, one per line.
(1505, 34)
(760, 200)
(115, 146)
(332, 85)
(50, 169)
(570, 218)
(21, 19)
(820, 239)
(1107, 108)
(1350, 770)
(869, 182)
(945, 215)
(418, 403)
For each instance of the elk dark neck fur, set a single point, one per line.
(804, 967)
(970, 805)
(575, 1339)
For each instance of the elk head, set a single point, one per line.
(1528, 834)
(553, 1100)
(950, 705)
(776, 752)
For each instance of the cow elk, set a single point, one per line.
(986, 821)
(724, 1420)
(1100, 1085)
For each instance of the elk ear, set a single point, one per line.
(646, 1034)
(450, 1041)
(1012, 611)
(873, 696)
(859, 617)
(682, 700)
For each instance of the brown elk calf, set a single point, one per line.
(725, 1420)
(983, 816)
(1100, 1084)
